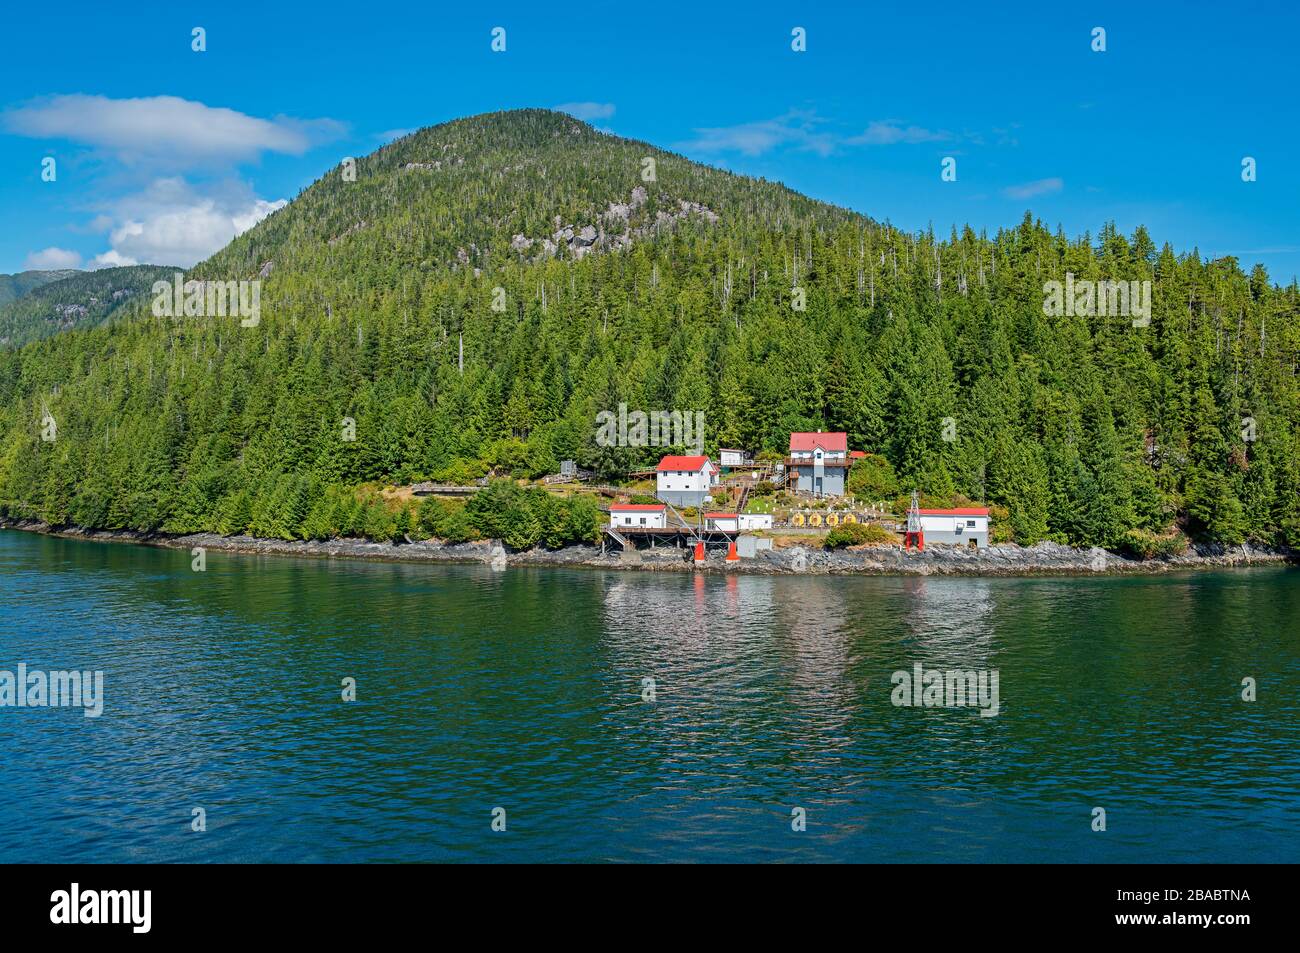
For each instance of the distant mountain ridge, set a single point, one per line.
(76, 300)
(13, 287)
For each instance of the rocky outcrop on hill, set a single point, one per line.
(611, 230)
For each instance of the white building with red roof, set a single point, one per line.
(818, 462)
(963, 526)
(638, 516)
(722, 522)
(685, 481)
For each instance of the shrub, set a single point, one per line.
(857, 534)
(1147, 545)
(873, 477)
(445, 520)
(460, 473)
(524, 517)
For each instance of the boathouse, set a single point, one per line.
(638, 516)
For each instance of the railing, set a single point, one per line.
(824, 461)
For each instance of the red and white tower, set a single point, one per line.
(915, 534)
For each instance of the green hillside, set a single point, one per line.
(672, 294)
(82, 299)
(13, 287)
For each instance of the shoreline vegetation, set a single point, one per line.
(1006, 559)
(469, 307)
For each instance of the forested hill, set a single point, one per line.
(475, 192)
(81, 299)
(13, 287)
(677, 293)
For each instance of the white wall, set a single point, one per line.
(633, 519)
(678, 481)
(949, 524)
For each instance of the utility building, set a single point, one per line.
(966, 526)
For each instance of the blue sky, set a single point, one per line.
(163, 153)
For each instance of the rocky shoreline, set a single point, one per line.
(1001, 560)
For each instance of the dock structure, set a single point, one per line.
(681, 537)
(662, 523)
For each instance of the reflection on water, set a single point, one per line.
(523, 690)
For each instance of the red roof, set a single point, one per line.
(857, 454)
(720, 516)
(637, 507)
(804, 442)
(683, 463)
(960, 511)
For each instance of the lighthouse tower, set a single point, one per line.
(915, 534)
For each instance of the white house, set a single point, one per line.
(819, 461)
(755, 521)
(638, 516)
(685, 481)
(966, 526)
(722, 522)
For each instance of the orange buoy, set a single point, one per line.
(732, 555)
(699, 553)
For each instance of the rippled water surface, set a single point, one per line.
(523, 690)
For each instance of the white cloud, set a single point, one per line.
(587, 111)
(1028, 190)
(170, 223)
(165, 129)
(52, 259)
(797, 129)
(887, 132)
(111, 259)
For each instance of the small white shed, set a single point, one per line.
(638, 516)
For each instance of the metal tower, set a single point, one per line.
(915, 534)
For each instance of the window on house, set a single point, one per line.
(643, 521)
(970, 523)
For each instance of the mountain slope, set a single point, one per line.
(13, 287)
(82, 299)
(699, 291)
(472, 193)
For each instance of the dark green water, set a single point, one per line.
(522, 690)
